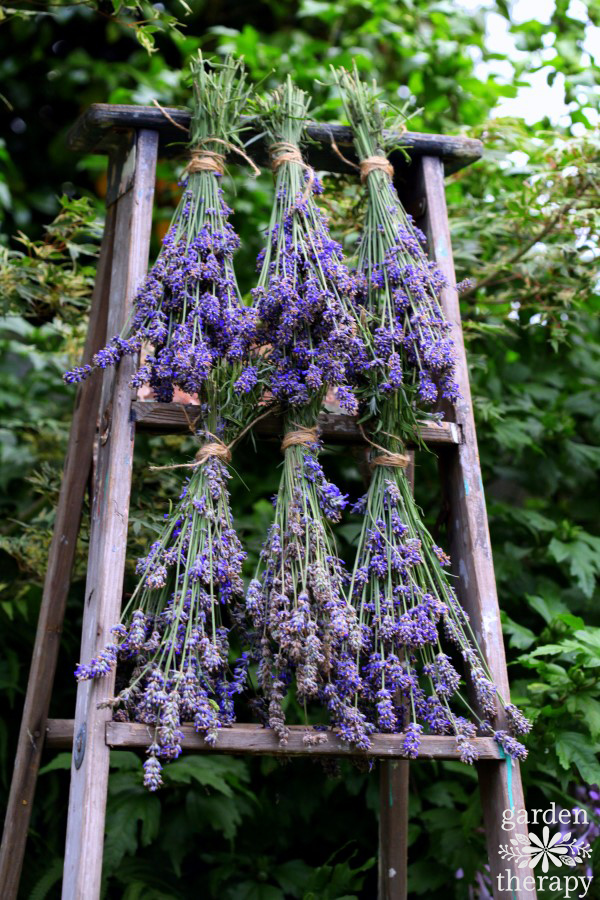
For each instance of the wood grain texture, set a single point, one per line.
(56, 585)
(394, 783)
(336, 428)
(102, 124)
(393, 830)
(254, 740)
(470, 545)
(108, 537)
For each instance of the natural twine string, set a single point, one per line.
(207, 160)
(375, 164)
(367, 165)
(301, 435)
(215, 448)
(284, 152)
(388, 457)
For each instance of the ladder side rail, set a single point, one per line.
(56, 585)
(394, 776)
(470, 544)
(108, 539)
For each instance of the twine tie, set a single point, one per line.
(300, 435)
(284, 152)
(375, 164)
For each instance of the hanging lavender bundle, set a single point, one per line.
(189, 307)
(399, 587)
(172, 643)
(304, 628)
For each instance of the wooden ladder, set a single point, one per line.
(106, 417)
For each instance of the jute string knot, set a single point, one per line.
(206, 161)
(387, 457)
(214, 448)
(367, 165)
(375, 164)
(210, 161)
(392, 460)
(284, 152)
(300, 435)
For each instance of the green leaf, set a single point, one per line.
(583, 556)
(223, 774)
(61, 762)
(574, 749)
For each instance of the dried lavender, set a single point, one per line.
(398, 286)
(304, 630)
(413, 626)
(172, 643)
(189, 307)
(399, 587)
(304, 292)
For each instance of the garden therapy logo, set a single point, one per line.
(554, 849)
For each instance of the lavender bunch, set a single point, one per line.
(172, 643)
(413, 625)
(304, 292)
(404, 599)
(189, 307)
(398, 287)
(303, 627)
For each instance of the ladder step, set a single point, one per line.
(253, 740)
(335, 427)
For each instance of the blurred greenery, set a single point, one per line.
(524, 227)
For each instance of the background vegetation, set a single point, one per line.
(525, 227)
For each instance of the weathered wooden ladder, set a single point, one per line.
(105, 420)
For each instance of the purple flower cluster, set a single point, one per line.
(189, 307)
(304, 295)
(173, 637)
(303, 630)
(398, 288)
(406, 681)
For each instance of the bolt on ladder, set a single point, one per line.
(106, 417)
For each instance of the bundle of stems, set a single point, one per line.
(302, 622)
(172, 642)
(189, 307)
(402, 594)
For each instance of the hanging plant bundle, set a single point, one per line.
(303, 626)
(404, 599)
(398, 287)
(189, 307)
(172, 642)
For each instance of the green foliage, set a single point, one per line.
(524, 227)
(47, 278)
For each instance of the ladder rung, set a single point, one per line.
(102, 124)
(335, 427)
(253, 740)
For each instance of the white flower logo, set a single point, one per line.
(558, 849)
(551, 849)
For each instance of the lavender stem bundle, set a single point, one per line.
(302, 622)
(402, 594)
(189, 306)
(172, 642)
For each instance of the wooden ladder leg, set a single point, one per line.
(108, 538)
(56, 585)
(471, 550)
(393, 809)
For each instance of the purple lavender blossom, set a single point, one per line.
(189, 308)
